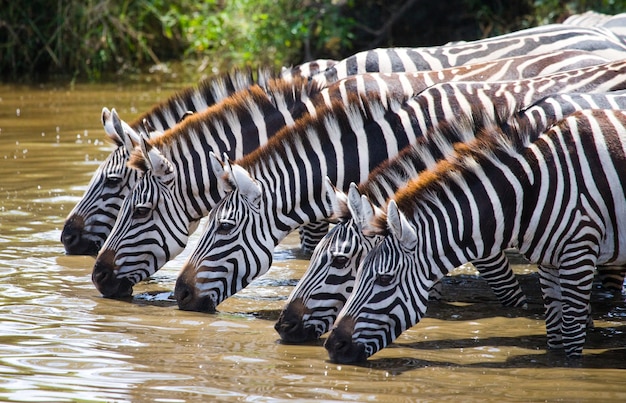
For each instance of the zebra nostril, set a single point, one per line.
(69, 239)
(102, 276)
(183, 295)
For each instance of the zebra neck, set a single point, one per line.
(475, 215)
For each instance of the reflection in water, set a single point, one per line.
(60, 341)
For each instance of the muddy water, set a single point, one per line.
(60, 341)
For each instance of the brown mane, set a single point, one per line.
(199, 123)
(492, 136)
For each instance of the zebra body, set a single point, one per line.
(288, 189)
(320, 294)
(532, 41)
(558, 198)
(91, 220)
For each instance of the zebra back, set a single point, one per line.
(532, 41)
(405, 85)
(507, 188)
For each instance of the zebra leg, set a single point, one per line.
(311, 234)
(576, 283)
(612, 277)
(552, 302)
(497, 272)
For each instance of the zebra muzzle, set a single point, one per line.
(105, 279)
(189, 300)
(74, 240)
(340, 346)
(290, 325)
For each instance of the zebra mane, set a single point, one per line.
(212, 89)
(338, 116)
(277, 93)
(506, 133)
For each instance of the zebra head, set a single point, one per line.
(151, 227)
(390, 293)
(236, 245)
(90, 222)
(320, 294)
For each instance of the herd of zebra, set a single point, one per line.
(419, 160)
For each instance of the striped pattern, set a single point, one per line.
(171, 164)
(314, 303)
(91, 220)
(556, 198)
(532, 41)
(289, 181)
(197, 195)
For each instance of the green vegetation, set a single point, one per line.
(96, 39)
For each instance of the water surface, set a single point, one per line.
(61, 341)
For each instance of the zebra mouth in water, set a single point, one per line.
(291, 325)
(340, 346)
(188, 299)
(105, 279)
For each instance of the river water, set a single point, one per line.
(61, 341)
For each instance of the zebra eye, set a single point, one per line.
(225, 227)
(141, 212)
(112, 181)
(339, 262)
(384, 279)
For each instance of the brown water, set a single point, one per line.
(60, 341)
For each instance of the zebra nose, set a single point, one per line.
(290, 325)
(340, 346)
(188, 299)
(105, 279)
(73, 240)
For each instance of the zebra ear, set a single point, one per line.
(370, 218)
(246, 185)
(118, 130)
(400, 227)
(155, 161)
(337, 201)
(355, 205)
(220, 173)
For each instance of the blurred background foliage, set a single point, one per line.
(97, 40)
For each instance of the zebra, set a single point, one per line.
(287, 194)
(543, 39)
(393, 86)
(557, 197)
(91, 220)
(322, 291)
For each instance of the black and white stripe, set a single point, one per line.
(289, 186)
(176, 179)
(320, 294)
(531, 41)
(278, 111)
(91, 220)
(556, 197)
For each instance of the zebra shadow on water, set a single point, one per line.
(610, 342)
